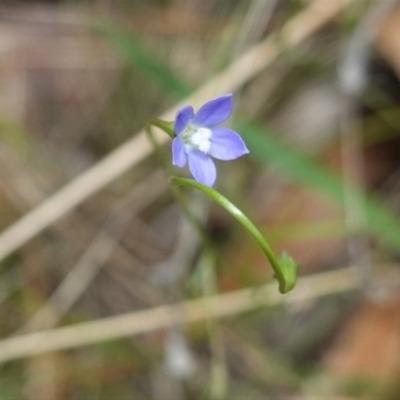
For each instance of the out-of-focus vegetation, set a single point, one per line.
(80, 78)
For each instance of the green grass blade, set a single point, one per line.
(264, 147)
(382, 223)
(139, 57)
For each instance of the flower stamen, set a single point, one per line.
(198, 138)
(201, 139)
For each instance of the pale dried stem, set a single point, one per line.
(138, 148)
(162, 317)
(96, 255)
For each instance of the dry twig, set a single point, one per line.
(138, 148)
(96, 255)
(161, 317)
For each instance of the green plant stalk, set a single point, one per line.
(219, 377)
(166, 126)
(287, 273)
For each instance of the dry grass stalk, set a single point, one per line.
(138, 148)
(141, 322)
(96, 255)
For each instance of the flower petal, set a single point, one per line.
(182, 118)
(178, 152)
(214, 111)
(226, 144)
(202, 167)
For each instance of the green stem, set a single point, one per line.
(166, 126)
(285, 268)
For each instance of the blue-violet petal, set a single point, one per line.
(214, 111)
(202, 167)
(226, 144)
(178, 152)
(182, 118)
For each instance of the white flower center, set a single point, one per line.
(198, 138)
(201, 139)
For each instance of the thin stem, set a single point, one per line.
(285, 269)
(167, 127)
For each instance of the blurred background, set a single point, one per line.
(317, 100)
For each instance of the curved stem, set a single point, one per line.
(285, 268)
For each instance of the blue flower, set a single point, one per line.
(197, 139)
